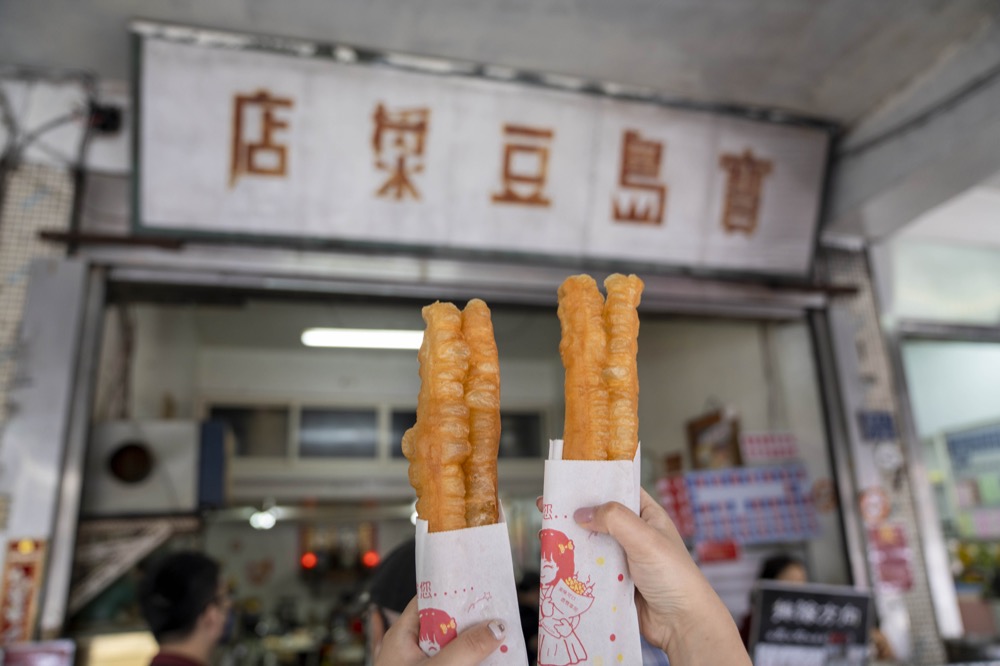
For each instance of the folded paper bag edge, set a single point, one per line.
(452, 551)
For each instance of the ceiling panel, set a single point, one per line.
(972, 218)
(832, 58)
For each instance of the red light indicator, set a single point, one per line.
(309, 561)
(370, 559)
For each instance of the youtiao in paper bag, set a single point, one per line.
(464, 570)
(465, 577)
(587, 610)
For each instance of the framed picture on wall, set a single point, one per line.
(714, 440)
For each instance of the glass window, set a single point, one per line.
(520, 433)
(337, 433)
(260, 432)
(402, 421)
(931, 281)
(953, 387)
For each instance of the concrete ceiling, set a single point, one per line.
(971, 218)
(836, 59)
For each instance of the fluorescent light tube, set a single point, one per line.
(362, 338)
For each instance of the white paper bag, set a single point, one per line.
(465, 577)
(587, 609)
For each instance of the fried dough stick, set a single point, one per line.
(621, 321)
(482, 397)
(438, 445)
(583, 348)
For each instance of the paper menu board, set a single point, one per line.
(587, 608)
(752, 505)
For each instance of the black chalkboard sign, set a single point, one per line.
(807, 625)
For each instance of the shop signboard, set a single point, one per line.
(415, 153)
(975, 466)
(809, 625)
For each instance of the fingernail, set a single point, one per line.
(497, 629)
(584, 515)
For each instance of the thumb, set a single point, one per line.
(473, 645)
(636, 537)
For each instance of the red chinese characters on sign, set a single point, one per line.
(398, 141)
(744, 182)
(525, 166)
(22, 580)
(643, 197)
(255, 150)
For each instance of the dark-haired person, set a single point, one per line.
(782, 567)
(185, 603)
(392, 585)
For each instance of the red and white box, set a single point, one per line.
(465, 577)
(587, 608)
(675, 501)
(759, 448)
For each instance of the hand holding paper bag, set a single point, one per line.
(678, 610)
(463, 559)
(400, 646)
(586, 609)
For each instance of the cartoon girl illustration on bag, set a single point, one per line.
(437, 629)
(563, 598)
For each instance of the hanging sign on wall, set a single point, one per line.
(809, 625)
(23, 575)
(236, 141)
(974, 456)
(891, 557)
(752, 505)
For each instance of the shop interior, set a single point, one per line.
(283, 460)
